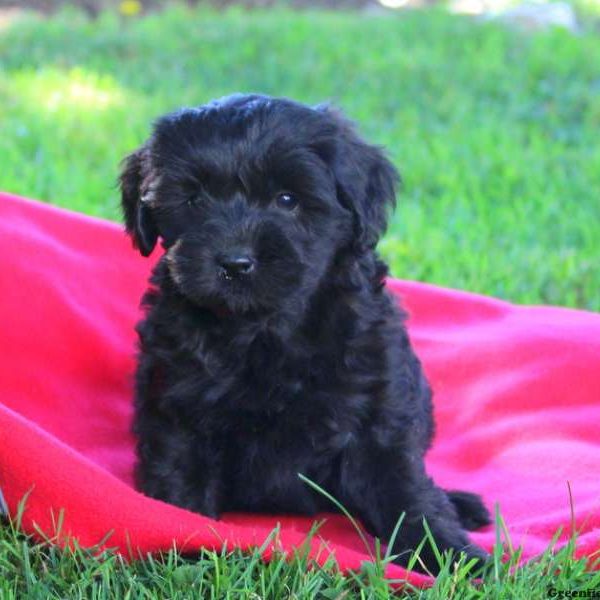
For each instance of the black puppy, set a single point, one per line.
(270, 346)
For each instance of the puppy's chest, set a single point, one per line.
(268, 403)
(266, 390)
(263, 374)
(268, 396)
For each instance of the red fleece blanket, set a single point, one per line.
(517, 399)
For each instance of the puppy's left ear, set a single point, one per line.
(366, 180)
(137, 182)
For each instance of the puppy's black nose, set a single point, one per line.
(235, 265)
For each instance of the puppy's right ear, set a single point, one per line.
(137, 183)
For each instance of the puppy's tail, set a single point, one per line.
(470, 509)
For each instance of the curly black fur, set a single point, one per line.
(270, 346)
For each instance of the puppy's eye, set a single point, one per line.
(286, 201)
(192, 201)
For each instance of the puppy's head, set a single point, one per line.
(254, 199)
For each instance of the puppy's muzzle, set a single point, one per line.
(236, 265)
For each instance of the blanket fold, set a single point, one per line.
(516, 392)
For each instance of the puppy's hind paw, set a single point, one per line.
(470, 509)
(481, 559)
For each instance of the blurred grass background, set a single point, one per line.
(496, 132)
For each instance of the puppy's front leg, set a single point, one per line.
(176, 462)
(381, 484)
(178, 466)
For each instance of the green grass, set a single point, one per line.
(41, 570)
(495, 132)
